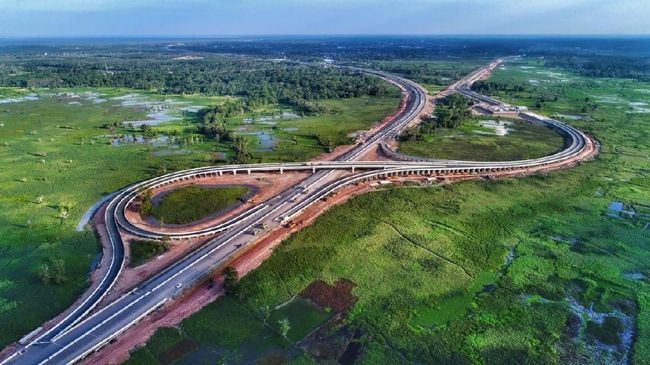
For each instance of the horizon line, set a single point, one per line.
(359, 35)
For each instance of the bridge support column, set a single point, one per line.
(234, 172)
(353, 169)
(281, 171)
(220, 173)
(249, 171)
(313, 170)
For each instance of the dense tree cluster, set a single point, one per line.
(425, 72)
(490, 87)
(213, 120)
(230, 280)
(604, 66)
(241, 149)
(257, 82)
(146, 206)
(449, 113)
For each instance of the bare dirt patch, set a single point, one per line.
(338, 296)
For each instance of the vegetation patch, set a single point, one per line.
(297, 318)
(193, 203)
(453, 305)
(608, 332)
(177, 351)
(485, 139)
(144, 250)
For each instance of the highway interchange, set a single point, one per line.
(79, 333)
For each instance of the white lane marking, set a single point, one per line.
(130, 292)
(124, 328)
(220, 245)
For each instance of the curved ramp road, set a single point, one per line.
(79, 335)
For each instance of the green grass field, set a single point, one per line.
(302, 316)
(57, 162)
(59, 158)
(226, 328)
(490, 272)
(473, 141)
(297, 139)
(192, 203)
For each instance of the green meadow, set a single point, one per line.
(61, 153)
(506, 140)
(300, 139)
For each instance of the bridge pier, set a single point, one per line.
(281, 171)
(234, 172)
(249, 171)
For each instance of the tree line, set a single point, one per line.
(258, 82)
(490, 87)
(637, 68)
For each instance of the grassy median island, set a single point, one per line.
(192, 203)
(513, 271)
(486, 139)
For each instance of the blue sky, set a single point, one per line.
(27, 18)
